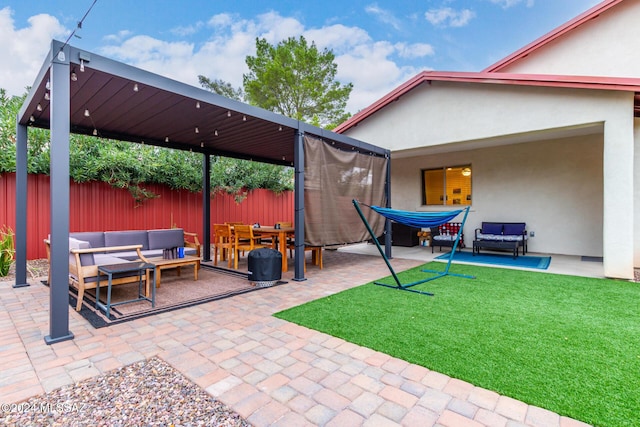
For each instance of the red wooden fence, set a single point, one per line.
(97, 206)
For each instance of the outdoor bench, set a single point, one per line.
(501, 235)
(88, 250)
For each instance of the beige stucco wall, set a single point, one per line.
(553, 186)
(603, 46)
(542, 177)
(448, 113)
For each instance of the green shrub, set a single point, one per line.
(6, 250)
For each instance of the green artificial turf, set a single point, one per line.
(565, 343)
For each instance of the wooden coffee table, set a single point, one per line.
(163, 264)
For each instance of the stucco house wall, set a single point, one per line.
(497, 120)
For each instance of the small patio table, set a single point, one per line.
(139, 268)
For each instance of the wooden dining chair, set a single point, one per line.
(223, 243)
(244, 240)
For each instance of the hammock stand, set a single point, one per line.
(416, 219)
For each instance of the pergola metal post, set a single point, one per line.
(298, 164)
(60, 119)
(206, 207)
(20, 240)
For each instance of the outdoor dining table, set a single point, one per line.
(281, 234)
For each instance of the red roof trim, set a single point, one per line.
(590, 14)
(546, 80)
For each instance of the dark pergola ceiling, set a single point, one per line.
(113, 100)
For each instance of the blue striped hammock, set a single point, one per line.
(419, 220)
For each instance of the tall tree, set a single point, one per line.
(221, 87)
(297, 80)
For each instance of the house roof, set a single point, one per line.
(576, 22)
(543, 80)
(114, 100)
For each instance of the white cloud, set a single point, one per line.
(370, 65)
(415, 50)
(448, 17)
(384, 16)
(26, 47)
(509, 3)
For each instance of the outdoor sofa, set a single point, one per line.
(88, 250)
(501, 235)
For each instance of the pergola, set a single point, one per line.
(80, 92)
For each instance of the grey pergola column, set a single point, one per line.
(60, 118)
(21, 206)
(298, 164)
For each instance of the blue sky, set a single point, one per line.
(378, 44)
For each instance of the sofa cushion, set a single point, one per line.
(95, 238)
(85, 259)
(165, 239)
(125, 238)
(492, 228)
(516, 228)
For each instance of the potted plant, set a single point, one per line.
(6, 250)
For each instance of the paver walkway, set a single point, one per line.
(271, 372)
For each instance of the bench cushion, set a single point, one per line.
(85, 259)
(514, 228)
(165, 239)
(95, 238)
(492, 228)
(125, 238)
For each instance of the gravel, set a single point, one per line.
(147, 393)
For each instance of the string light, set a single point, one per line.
(39, 107)
(46, 96)
(74, 76)
(135, 87)
(228, 113)
(197, 104)
(86, 113)
(166, 139)
(215, 132)
(244, 118)
(95, 132)
(197, 130)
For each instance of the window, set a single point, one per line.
(447, 186)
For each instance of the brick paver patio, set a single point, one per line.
(273, 373)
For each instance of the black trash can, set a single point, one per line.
(265, 267)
